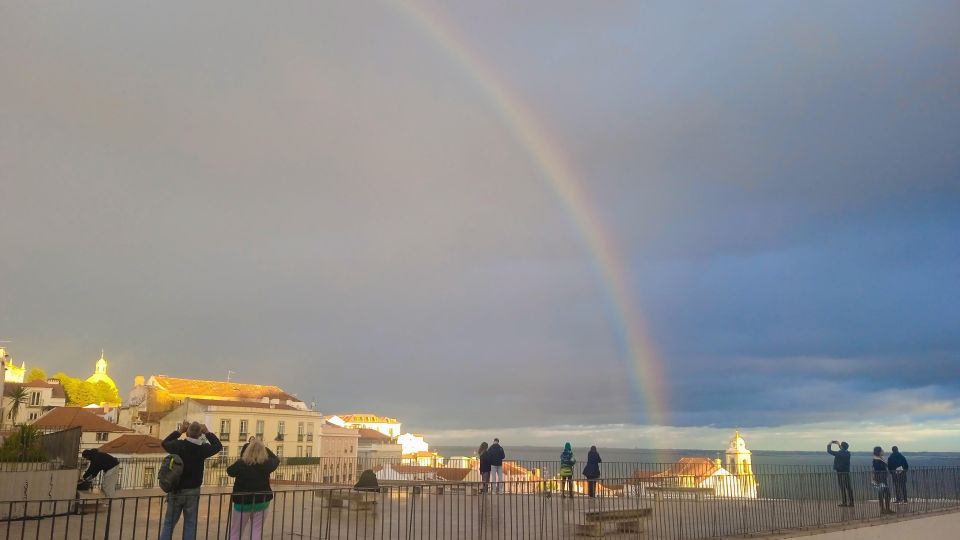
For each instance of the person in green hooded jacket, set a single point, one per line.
(567, 461)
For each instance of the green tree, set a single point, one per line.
(36, 374)
(104, 393)
(23, 445)
(79, 392)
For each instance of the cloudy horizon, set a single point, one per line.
(323, 197)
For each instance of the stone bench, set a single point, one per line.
(351, 500)
(627, 521)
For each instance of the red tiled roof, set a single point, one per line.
(246, 404)
(373, 435)
(226, 389)
(134, 444)
(367, 418)
(697, 467)
(65, 417)
(451, 474)
(56, 393)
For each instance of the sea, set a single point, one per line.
(762, 459)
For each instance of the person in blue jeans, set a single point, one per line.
(198, 445)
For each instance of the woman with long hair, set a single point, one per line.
(484, 466)
(880, 480)
(251, 489)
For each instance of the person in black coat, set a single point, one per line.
(592, 470)
(251, 489)
(105, 463)
(198, 445)
(484, 466)
(841, 464)
(898, 468)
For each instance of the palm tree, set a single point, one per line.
(17, 399)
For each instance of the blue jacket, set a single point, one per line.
(496, 455)
(896, 461)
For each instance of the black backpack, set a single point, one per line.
(168, 477)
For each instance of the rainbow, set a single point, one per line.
(629, 325)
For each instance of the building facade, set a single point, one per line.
(41, 396)
(384, 424)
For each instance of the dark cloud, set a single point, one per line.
(320, 196)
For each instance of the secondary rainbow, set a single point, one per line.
(558, 172)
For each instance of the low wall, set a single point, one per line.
(33, 485)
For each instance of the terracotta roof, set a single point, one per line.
(57, 392)
(451, 474)
(373, 435)
(65, 417)
(134, 444)
(245, 404)
(226, 389)
(697, 467)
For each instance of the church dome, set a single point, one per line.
(100, 375)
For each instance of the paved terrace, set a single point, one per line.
(423, 512)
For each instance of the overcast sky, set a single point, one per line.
(321, 196)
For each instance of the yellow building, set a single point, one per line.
(160, 393)
(12, 373)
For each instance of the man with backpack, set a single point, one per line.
(184, 497)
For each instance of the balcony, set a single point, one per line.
(225, 436)
(309, 437)
(300, 437)
(243, 436)
(279, 437)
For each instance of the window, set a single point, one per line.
(34, 416)
(310, 432)
(309, 451)
(299, 451)
(259, 432)
(299, 431)
(281, 428)
(224, 430)
(243, 430)
(280, 451)
(102, 436)
(34, 398)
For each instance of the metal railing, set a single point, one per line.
(141, 472)
(667, 508)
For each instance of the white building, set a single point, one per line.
(413, 443)
(41, 396)
(386, 425)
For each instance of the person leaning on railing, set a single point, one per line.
(251, 490)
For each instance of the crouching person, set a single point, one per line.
(251, 490)
(102, 461)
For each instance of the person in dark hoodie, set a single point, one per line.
(101, 462)
(592, 470)
(898, 468)
(484, 466)
(251, 490)
(198, 445)
(496, 455)
(841, 464)
(880, 469)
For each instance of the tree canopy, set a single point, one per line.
(81, 393)
(36, 374)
